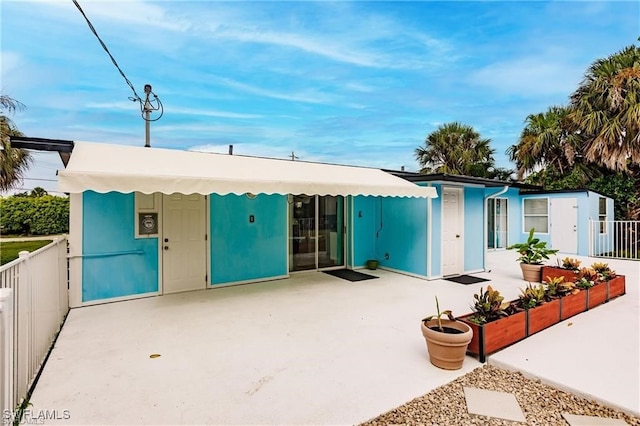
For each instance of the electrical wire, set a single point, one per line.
(135, 98)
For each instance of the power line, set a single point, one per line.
(145, 106)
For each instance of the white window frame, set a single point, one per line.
(525, 215)
(602, 218)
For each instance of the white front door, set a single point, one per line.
(452, 241)
(563, 224)
(184, 247)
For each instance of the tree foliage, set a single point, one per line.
(34, 215)
(605, 110)
(594, 142)
(458, 149)
(13, 162)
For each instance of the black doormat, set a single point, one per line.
(466, 279)
(349, 275)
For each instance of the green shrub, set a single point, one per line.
(44, 215)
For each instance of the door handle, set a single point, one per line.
(166, 240)
(457, 235)
(166, 247)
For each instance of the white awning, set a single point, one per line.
(104, 168)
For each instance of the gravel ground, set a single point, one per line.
(541, 404)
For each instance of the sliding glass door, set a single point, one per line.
(316, 239)
(497, 223)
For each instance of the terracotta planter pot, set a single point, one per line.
(573, 304)
(553, 271)
(616, 287)
(543, 316)
(596, 295)
(531, 273)
(495, 335)
(447, 350)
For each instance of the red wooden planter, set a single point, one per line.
(543, 316)
(596, 295)
(495, 335)
(553, 271)
(573, 304)
(616, 287)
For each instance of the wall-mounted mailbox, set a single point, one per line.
(148, 223)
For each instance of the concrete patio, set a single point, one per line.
(312, 349)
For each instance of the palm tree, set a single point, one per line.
(14, 162)
(606, 110)
(456, 148)
(547, 141)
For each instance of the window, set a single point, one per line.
(602, 214)
(536, 214)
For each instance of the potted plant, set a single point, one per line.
(532, 253)
(589, 280)
(495, 323)
(542, 309)
(447, 339)
(372, 264)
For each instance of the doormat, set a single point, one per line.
(466, 279)
(349, 275)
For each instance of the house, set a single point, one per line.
(151, 221)
(148, 221)
(473, 215)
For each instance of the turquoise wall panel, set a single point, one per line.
(115, 263)
(364, 229)
(402, 234)
(242, 250)
(474, 224)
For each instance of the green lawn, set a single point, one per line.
(9, 249)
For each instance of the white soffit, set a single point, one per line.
(105, 167)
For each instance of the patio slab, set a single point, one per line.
(311, 349)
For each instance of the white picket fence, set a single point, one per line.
(31, 316)
(615, 239)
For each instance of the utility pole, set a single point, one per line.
(147, 111)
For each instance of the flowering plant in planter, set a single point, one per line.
(587, 277)
(571, 263)
(489, 306)
(558, 287)
(603, 271)
(532, 296)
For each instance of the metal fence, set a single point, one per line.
(615, 239)
(40, 302)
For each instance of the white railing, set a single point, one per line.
(615, 239)
(39, 285)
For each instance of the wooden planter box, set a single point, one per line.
(573, 304)
(543, 316)
(495, 335)
(553, 271)
(596, 295)
(616, 287)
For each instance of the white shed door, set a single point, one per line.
(564, 224)
(184, 261)
(452, 241)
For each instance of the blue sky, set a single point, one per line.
(343, 82)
